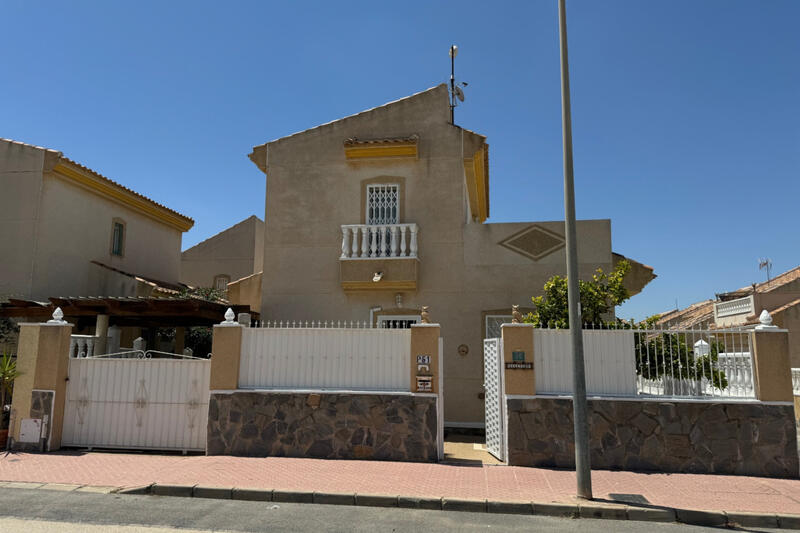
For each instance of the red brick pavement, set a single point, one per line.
(506, 483)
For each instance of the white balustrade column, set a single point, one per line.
(73, 344)
(413, 248)
(373, 241)
(403, 250)
(364, 241)
(394, 230)
(355, 242)
(345, 243)
(383, 241)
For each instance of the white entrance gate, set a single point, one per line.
(494, 397)
(142, 403)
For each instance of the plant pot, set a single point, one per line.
(3, 438)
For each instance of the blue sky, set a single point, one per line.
(686, 113)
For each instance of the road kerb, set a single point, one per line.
(172, 490)
(252, 495)
(141, 489)
(292, 496)
(789, 521)
(752, 520)
(64, 487)
(509, 507)
(564, 510)
(334, 498)
(219, 493)
(412, 502)
(376, 500)
(604, 511)
(701, 518)
(457, 504)
(651, 514)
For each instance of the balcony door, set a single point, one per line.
(383, 204)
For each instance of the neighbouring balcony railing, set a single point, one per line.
(81, 346)
(362, 241)
(739, 306)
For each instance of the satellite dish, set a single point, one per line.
(458, 92)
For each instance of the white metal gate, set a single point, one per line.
(145, 403)
(494, 397)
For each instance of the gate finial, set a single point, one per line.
(516, 316)
(425, 316)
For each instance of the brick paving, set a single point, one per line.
(505, 483)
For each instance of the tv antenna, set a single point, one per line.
(766, 263)
(456, 91)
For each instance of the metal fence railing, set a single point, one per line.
(679, 363)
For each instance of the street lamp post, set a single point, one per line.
(582, 458)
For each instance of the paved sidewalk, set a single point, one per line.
(424, 480)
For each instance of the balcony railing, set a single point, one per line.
(740, 306)
(360, 241)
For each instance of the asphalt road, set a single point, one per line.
(32, 511)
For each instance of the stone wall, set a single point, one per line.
(328, 426)
(41, 406)
(700, 437)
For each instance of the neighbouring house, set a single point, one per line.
(780, 297)
(67, 230)
(230, 255)
(371, 217)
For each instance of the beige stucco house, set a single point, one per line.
(373, 216)
(231, 254)
(66, 230)
(780, 297)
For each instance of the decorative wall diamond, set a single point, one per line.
(534, 242)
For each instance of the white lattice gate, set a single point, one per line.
(159, 404)
(494, 397)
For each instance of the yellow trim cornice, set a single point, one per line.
(381, 150)
(477, 176)
(379, 286)
(108, 189)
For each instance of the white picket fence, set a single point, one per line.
(137, 403)
(608, 355)
(325, 359)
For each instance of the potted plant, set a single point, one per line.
(8, 373)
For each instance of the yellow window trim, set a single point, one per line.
(104, 188)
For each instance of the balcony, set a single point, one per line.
(379, 257)
(740, 306)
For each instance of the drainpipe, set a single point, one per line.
(372, 311)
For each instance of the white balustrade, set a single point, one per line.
(81, 346)
(362, 241)
(740, 306)
(796, 381)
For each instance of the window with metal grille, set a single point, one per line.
(383, 204)
(493, 324)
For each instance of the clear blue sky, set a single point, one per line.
(686, 112)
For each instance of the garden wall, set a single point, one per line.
(399, 427)
(745, 438)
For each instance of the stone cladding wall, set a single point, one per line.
(41, 406)
(328, 426)
(699, 437)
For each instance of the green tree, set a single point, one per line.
(8, 373)
(598, 297)
(665, 354)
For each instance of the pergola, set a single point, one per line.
(126, 311)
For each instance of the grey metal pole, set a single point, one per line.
(583, 467)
